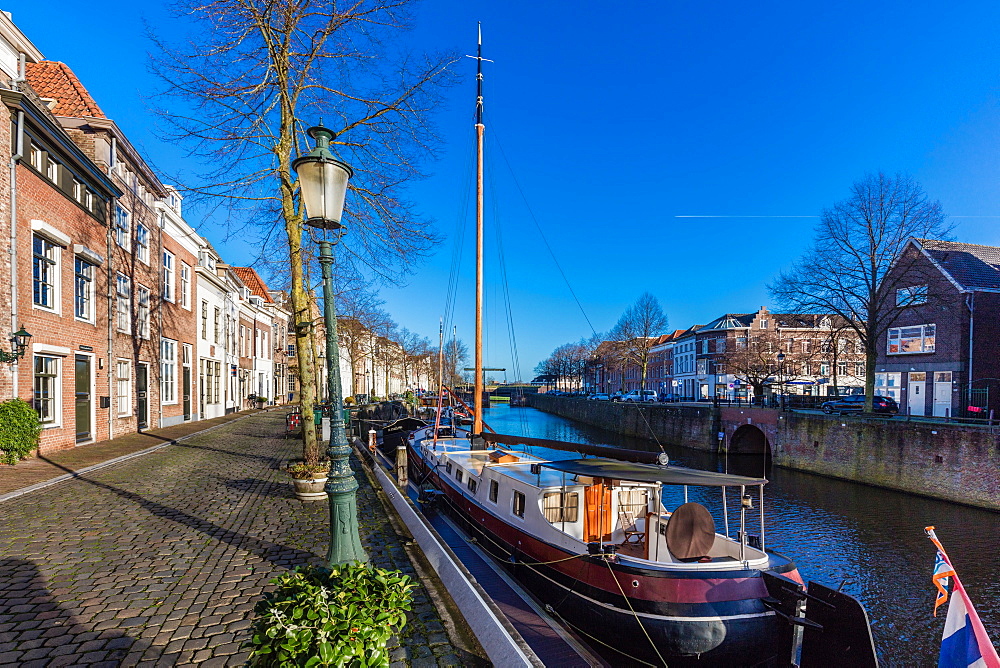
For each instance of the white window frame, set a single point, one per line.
(914, 295)
(52, 264)
(52, 170)
(123, 303)
(123, 227)
(168, 372)
(185, 290)
(87, 295)
(123, 381)
(895, 337)
(56, 398)
(142, 243)
(168, 276)
(204, 320)
(143, 296)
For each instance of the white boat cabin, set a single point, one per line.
(587, 504)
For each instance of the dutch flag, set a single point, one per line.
(965, 643)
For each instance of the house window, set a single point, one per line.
(168, 278)
(78, 190)
(805, 345)
(842, 368)
(45, 270)
(142, 243)
(53, 171)
(824, 369)
(215, 324)
(911, 296)
(123, 292)
(291, 349)
(123, 380)
(168, 371)
(88, 200)
(204, 319)
(859, 369)
(494, 490)
(37, 157)
(561, 507)
(518, 505)
(911, 340)
(46, 389)
(142, 295)
(185, 285)
(216, 381)
(763, 324)
(83, 290)
(123, 227)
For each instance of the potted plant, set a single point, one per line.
(309, 480)
(260, 401)
(322, 617)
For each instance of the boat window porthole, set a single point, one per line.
(635, 583)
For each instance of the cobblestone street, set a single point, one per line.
(161, 559)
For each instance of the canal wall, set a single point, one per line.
(944, 461)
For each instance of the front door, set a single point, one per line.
(142, 395)
(916, 401)
(83, 399)
(942, 393)
(186, 391)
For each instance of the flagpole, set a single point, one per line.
(988, 654)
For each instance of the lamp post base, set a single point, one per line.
(341, 488)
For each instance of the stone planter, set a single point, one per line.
(310, 489)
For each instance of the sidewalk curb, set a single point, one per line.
(111, 462)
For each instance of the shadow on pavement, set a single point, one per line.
(280, 555)
(260, 487)
(42, 631)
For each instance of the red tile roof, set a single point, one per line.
(253, 281)
(56, 80)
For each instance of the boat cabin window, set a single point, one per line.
(561, 507)
(518, 508)
(472, 484)
(494, 490)
(458, 475)
(448, 467)
(633, 500)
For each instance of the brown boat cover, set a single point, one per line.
(690, 532)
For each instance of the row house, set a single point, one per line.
(819, 356)
(105, 273)
(940, 353)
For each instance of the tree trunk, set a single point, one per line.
(870, 354)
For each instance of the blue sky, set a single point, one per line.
(621, 119)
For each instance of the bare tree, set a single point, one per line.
(255, 74)
(636, 331)
(754, 360)
(456, 356)
(858, 241)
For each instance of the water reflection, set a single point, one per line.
(870, 539)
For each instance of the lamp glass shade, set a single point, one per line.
(20, 339)
(781, 357)
(324, 187)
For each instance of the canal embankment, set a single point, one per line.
(952, 462)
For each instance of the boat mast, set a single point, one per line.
(477, 397)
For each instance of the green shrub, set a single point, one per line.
(19, 430)
(322, 617)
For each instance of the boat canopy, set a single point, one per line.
(665, 475)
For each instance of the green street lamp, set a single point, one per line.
(323, 187)
(18, 346)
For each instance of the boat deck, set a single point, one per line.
(554, 647)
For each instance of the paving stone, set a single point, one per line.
(164, 557)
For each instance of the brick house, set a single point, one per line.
(941, 354)
(819, 355)
(60, 199)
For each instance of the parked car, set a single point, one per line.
(855, 403)
(640, 396)
(599, 397)
(666, 397)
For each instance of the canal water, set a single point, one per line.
(869, 539)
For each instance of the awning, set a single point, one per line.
(667, 475)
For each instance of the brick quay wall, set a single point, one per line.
(944, 461)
